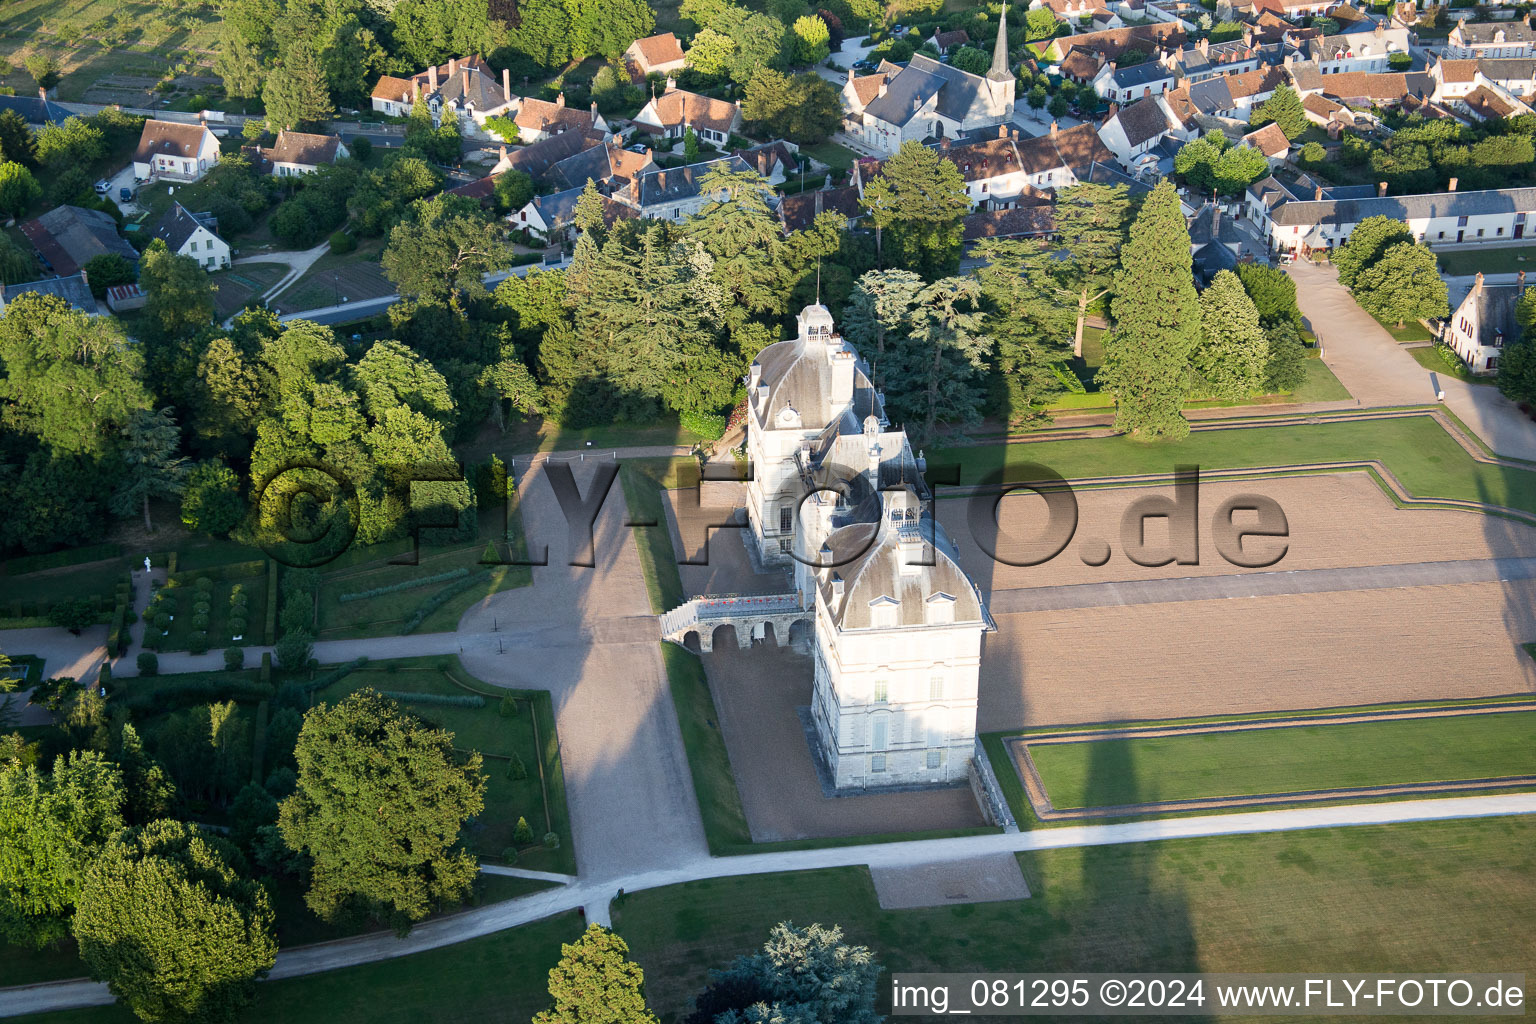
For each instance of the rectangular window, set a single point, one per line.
(935, 759)
(786, 545)
(1461, 222)
(878, 739)
(211, 261)
(877, 763)
(786, 519)
(1501, 231)
(936, 688)
(882, 691)
(1479, 232)
(194, 247)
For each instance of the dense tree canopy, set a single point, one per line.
(358, 758)
(920, 199)
(595, 983)
(1157, 322)
(166, 920)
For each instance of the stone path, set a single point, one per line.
(1378, 372)
(690, 867)
(1045, 810)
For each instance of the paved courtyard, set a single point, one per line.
(589, 637)
(757, 693)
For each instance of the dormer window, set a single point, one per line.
(939, 609)
(882, 612)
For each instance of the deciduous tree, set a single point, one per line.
(18, 189)
(1367, 242)
(1403, 284)
(169, 924)
(380, 805)
(442, 248)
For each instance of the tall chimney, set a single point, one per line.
(1002, 131)
(506, 83)
(1381, 188)
(1451, 185)
(432, 77)
(1054, 129)
(415, 90)
(453, 66)
(560, 100)
(1317, 194)
(1520, 283)
(1479, 287)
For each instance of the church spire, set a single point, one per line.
(999, 71)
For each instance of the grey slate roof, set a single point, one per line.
(1515, 31)
(1439, 204)
(537, 158)
(1104, 174)
(1496, 312)
(177, 224)
(573, 171)
(1505, 69)
(1141, 74)
(872, 571)
(1306, 75)
(70, 236)
(73, 290)
(922, 79)
(672, 184)
(35, 109)
(1210, 96)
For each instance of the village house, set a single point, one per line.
(1358, 51)
(654, 55)
(1291, 224)
(298, 153)
(776, 161)
(1514, 76)
(1270, 141)
(69, 237)
(1484, 322)
(607, 164)
(1206, 60)
(799, 211)
(1490, 103)
(1028, 218)
(174, 151)
(1071, 12)
(671, 114)
(466, 86)
(537, 119)
(1292, 10)
(193, 235)
(550, 217)
(1112, 43)
(945, 42)
(1490, 39)
(1130, 132)
(928, 99)
(36, 110)
(1124, 85)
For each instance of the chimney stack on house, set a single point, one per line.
(1381, 188)
(1520, 283)
(1450, 186)
(453, 66)
(1114, 108)
(1002, 131)
(506, 83)
(1478, 288)
(432, 77)
(1317, 194)
(560, 100)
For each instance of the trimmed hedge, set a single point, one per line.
(446, 700)
(441, 598)
(335, 675)
(197, 691)
(361, 595)
(193, 578)
(59, 559)
(271, 631)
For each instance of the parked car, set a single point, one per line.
(125, 193)
(103, 187)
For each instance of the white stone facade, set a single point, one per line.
(838, 494)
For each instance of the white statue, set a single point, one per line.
(146, 564)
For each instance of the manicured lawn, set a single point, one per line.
(1509, 260)
(725, 825)
(1459, 895)
(1101, 773)
(501, 977)
(529, 734)
(1411, 330)
(41, 590)
(361, 570)
(219, 632)
(830, 153)
(1433, 359)
(643, 480)
(1321, 385)
(532, 436)
(1415, 448)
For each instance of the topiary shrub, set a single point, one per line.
(341, 242)
(162, 622)
(508, 707)
(149, 663)
(200, 621)
(204, 584)
(517, 771)
(551, 840)
(202, 608)
(198, 643)
(234, 658)
(509, 855)
(523, 834)
(236, 626)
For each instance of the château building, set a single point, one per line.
(837, 494)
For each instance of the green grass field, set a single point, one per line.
(1412, 330)
(1418, 451)
(530, 734)
(1509, 260)
(1458, 895)
(1110, 772)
